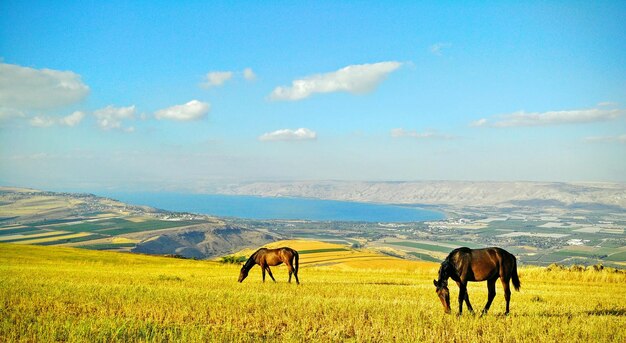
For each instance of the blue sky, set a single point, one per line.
(186, 95)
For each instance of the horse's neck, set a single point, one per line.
(447, 270)
(250, 263)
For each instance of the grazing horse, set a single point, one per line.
(465, 264)
(272, 257)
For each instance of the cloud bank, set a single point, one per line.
(400, 133)
(301, 134)
(355, 79)
(24, 88)
(606, 139)
(193, 110)
(525, 119)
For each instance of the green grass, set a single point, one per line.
(464, 244)
(117, 226)
(107, 246)
(27, 238)
(50, 294)
(423, 246)
(21, 231)
(72, 240)
(424, 257)
(617, 257)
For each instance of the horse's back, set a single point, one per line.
(274, 257)
(479, 264)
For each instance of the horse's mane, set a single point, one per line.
(252, 260)
(448, 266)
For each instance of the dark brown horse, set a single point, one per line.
(272, 257)
(489, 264)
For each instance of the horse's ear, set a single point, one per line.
(435, 282)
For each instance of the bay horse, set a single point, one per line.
(488, 264)
(265, 258)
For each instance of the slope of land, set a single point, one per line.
(65, 294)
(92, 222)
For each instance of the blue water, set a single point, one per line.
(250, 207)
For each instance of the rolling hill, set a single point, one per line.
(88, 221)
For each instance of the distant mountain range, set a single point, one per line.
(450, 193)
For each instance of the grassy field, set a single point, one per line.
(64, 294)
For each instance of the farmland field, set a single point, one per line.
(65, 294)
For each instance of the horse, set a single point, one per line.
(272, 257)
(465, 264)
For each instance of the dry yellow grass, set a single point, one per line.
(136, 219)
(36, 235)
(53, 294)
(118, 240)
(52, 239)
(300, 244)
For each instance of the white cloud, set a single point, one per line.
(300, 134)
(356, 79)
(73, 119)
(28, 88)
(606, 139)
(248, 74)
(41, 121)
(399, 133)
(525, 119)
(192, 110)
(216, 78)
(437, 48)
(70, 120)
(111, 117)
(479, 122)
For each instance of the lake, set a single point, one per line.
(252, 207)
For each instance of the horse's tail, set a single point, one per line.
(297, 264)
(514, 277)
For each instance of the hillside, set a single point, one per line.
(64, 294)
(84, 220)
(449, 193)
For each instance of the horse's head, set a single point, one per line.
(243, 274)
(444, 294)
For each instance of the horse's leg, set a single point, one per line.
(462, 295)
(270, 272)
(491, 289)
(467, 302)
(263, 269)
(507, 293)
(290, 268)
(295, 273)
(466, 299)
